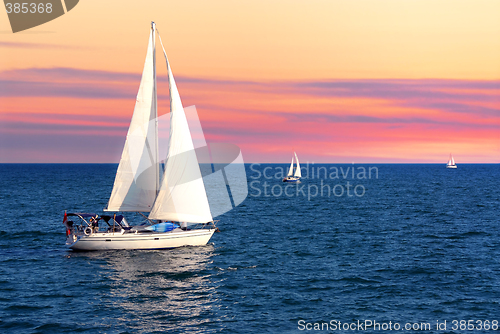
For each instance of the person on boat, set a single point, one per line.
(69, 227)
(94, 224)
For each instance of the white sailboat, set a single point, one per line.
(293, 177)
(451, 162)
(176, 203)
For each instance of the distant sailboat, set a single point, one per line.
(293, 177)
(451, 162)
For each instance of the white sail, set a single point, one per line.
(137, 178)
(182, 196)
(290, 171)
(451, 161)
(298, 173)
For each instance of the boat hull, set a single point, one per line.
(291, 180)
(451, 166)
(109, 241)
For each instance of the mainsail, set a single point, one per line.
(182, 196)
(297, 171)
(137, 179)
(290, 171)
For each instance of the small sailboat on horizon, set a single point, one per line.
(451, 162)
(293, 177)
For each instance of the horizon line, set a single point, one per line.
(267, 163)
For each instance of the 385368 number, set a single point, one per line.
(474, 325)
(26, 7)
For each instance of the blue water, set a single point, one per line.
(422, 244)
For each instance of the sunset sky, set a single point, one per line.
(336, 81)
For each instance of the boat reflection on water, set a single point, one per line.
(166, 288)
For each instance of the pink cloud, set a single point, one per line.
(329, 120)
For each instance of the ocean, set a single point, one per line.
(407, 248)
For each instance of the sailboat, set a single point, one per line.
(172, 200)
(293, 177)
(451, 162)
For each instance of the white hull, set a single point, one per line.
(291, 179)
(451, 166)
(118, 240)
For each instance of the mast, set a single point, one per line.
(155, 106)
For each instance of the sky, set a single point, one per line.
(363, 81)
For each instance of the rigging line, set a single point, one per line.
(164, 53)
(169, 86)
(156, 156)
(147, 218)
